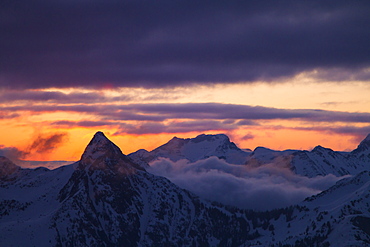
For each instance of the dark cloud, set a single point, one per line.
(243, 112)
(263, 188)
(12, 153)
(8, 115)
(45, 143)
(188, 117)
(85, 124)
(173, 127)
(160, 112)
(248, 136)
(168, 43)
(7, 96)
(181, 118)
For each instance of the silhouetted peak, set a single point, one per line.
(7, 167)
(364, 145)
(320, 149)
(101, 153)
(211, 138)
(100, 145)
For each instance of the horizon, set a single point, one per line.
(282, 76)
(54, 164)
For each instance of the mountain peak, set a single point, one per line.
(98, 146)
(7, 167)
(102, 153)
(100, 135)
(204, 137)
(364, 145)
(320, 149)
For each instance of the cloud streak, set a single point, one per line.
(161, 112)
(187, 117)
(171, 43)
(261, 188)
(12, 153)
(45, 143)
(11, 96)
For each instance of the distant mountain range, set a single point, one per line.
(320, 161)
(193, 149)
(109, 199)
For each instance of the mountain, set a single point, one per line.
(193, 149)
(261, 156)
(339, 216)
(106, 199)
(8, 169)
(318, 162)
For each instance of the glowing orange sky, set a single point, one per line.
(42, 120)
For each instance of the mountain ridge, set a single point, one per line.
(201, 147)
(105, 199)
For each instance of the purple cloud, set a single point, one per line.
(7, 96)
(187, 117)
(173, 127)
(12, 153)
(171, 43)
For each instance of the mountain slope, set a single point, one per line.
(105, 199)
(318, 162)
(193, 149)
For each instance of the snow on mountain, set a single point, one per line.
(362, 152)
(105, 199)
(339, 216)
(318, 162)
(261, 156)
(323, 161)
(193, 149)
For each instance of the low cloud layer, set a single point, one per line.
(262, 188)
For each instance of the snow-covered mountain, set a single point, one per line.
(193, 149)
(339, 216)
(106, 199)
(320, 161)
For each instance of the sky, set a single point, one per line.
(278, 74)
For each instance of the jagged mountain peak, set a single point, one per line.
(201, 147)
(102, 153)
(98, 146)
